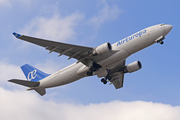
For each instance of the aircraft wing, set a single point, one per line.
(117, 78)
(73, 51)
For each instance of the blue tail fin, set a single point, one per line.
(33, 74)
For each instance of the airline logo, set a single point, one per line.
(32, 75)
(138, 34)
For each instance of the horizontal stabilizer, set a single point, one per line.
(25, 82)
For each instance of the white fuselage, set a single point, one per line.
(124, 48)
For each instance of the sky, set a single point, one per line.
(150, 93)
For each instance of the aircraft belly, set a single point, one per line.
(67, 78)
(64, 77)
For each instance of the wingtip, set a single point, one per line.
(17, 35)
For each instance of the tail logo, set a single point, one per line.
(32, 75)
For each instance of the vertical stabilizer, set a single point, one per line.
(32, 73)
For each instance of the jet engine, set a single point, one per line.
(104, 48)
(132, 67)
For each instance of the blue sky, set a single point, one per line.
(90, 23)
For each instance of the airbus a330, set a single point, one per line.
(106, 61)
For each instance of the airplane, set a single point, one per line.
(106, 61)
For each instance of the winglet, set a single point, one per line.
(17, 35)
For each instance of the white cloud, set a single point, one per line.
(5, 3)
(27, 105)
(9, 71)
(105, 14)
(10, 3)
(48, 67)
(55, 27)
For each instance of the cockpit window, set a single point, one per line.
(162, 24)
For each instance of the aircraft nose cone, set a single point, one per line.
(167, 29)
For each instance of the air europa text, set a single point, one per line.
(138, 34)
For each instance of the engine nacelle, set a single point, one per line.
(104, 48)
(132, 67)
